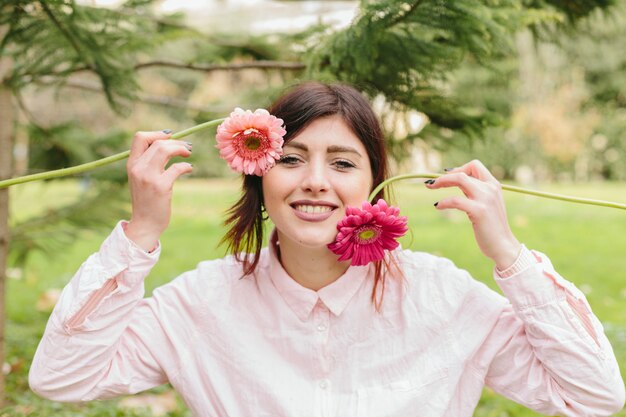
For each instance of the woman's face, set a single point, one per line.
(323, 169)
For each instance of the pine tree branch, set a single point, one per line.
(278, 65)
(6, 34)
(403, 16)
(266, 65)
(160, 20)
(65, 33)
(143, 97)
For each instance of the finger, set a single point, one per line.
(458, 203)
(467, 184)
(174, 171)
(143, 140)
(160, 153)
(475, 169)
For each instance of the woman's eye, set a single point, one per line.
(343, 164)
(288, 160)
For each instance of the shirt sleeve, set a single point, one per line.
(98, 340)
(547, 350)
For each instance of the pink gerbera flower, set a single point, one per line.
(251, 143)
(364, 234)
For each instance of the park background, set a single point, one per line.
(534, 89)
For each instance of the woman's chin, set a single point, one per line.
(318, 243)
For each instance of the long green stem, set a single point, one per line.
(508, 188)
(100, 162)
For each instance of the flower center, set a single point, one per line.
(251, 143)
(367, 234)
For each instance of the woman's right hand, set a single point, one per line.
(151, 184)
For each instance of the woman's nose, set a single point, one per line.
(315, 179)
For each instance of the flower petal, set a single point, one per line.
(380, 225)
(250, 142)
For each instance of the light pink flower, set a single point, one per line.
(364, 234)
(251, 143)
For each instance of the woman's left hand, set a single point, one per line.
(484, 205)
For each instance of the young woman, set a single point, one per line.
(288, 330)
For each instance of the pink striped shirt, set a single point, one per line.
(266, 346)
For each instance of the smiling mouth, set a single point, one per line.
(312, 209)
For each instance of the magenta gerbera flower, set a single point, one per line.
(250, 142)
(365, 233)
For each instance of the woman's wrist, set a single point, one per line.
(508, 255)
(144, 238)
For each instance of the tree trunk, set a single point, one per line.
(6, 152)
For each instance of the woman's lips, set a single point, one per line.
(313, 211)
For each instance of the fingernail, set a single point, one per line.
(448, 169)
(436, 204)
(189, 143)
(429, 182)
(167, 131)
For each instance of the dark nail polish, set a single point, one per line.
(429, 182)
(167, 131)
(448, 169)
(436, 204)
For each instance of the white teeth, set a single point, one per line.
(312, 209)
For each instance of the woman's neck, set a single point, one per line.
(313, 268)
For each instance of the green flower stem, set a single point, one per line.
(100, 162)
(508, 188)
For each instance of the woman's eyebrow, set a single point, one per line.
(297, 145)
(342, 149)
(330, 149)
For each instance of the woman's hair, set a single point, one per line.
(298, 108)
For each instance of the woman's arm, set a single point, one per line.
(86, 349)
(547, 350)
(95, 344)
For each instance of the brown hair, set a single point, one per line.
(298, 107)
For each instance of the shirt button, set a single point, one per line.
(323, 384)
(321, 327)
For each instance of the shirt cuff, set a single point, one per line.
(534, 282)
(124, 225)
(118, 253)
(524, 260)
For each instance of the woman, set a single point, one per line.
(289, 330)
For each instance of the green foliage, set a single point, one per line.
(572, 9)
(598, 48)
(58, 227)
(226, 48)
(406, 50)
(69, 144)
(50, 40)
(608, 146)
(47, 42)
(103, 195)
(409, 51)
(570, 88)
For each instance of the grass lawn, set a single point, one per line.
(586, 244)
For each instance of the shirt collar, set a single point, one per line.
(336, 296)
